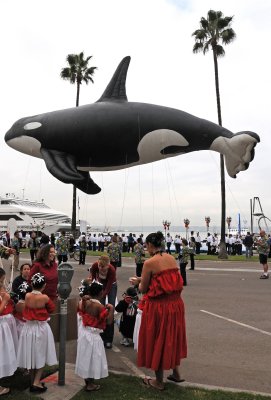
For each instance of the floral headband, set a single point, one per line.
(24, 288)
(38, 278)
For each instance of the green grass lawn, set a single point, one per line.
(120, 387)
(197, 257)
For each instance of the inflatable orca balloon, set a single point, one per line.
(113, 133)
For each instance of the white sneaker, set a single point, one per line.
(122, 341)
(126, 342)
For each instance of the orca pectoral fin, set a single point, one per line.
(62, 166)
(87, 185)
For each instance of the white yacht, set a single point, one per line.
(31, 215)
(236, 231)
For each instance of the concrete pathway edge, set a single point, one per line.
(73, 384)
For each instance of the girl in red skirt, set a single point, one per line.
(36, 343)
(8, 363)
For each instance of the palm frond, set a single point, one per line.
(228, 35)
(65, 73)
(204, 23)
(228, 19)
(198, 47)
(200, 34)
(71, 59)
(220, 52)
(206, 47)
(223, 23)
(91, 70)
(87, 78)
(213, 15)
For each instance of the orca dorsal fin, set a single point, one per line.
(116, 90)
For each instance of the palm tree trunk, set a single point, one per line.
(77, 94)
(73, 226)
(222, 247)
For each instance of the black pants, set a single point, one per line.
(62, 257)
(177, 248)
(82, 258)
(183, 272)
(228, 248)
(33, 254)
(198, 246)
(192, 261)
(124, 247)
(139, 269)
(115, 264)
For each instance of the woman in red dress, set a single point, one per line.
(162, 335)
(47, 266)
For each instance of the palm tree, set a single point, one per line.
(213, 30)
(77, 73)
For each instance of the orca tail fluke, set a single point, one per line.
(237, 150)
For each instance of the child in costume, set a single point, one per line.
(128, 308)
(36, 343)
(19, 306)
(91, 360)
(8, 363)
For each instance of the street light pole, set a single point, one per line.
(186, 224)
(207, 220)
(166, 227)
(228, 219)
(65, 274)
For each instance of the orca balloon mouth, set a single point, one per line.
(26, 144)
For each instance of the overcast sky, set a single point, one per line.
(36, 37)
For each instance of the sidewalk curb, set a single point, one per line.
(74, 384)
(202, 386)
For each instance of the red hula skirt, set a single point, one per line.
(162, 336)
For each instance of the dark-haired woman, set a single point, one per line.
(102, 271)
(23, 277)
(91, 360)
(162, 336)
(47, 266)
